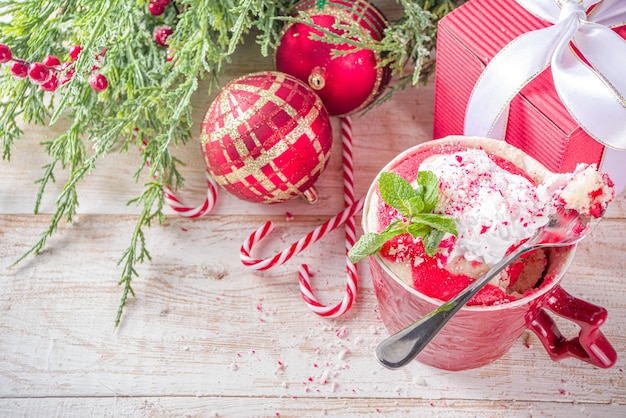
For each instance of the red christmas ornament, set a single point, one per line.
(266, 138)
(347, 83)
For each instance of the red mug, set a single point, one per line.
(478, 335)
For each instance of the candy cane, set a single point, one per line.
(298, 246)
(175, 203)
(198, 211)
(304, 274)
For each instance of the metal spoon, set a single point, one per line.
(566, 227)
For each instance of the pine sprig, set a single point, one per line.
(411, 40)
(148, 102)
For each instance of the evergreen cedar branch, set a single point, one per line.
(148, 99)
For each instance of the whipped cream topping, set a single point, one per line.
(494, 207)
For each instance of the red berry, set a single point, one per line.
(51, 84)
(74, 52)
(51, 61)
(163, 3)
(161, 33)
(38, 73)
(156, 8)
(5, 53)
(98, 82)
(19, 69)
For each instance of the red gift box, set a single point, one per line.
(538, 122)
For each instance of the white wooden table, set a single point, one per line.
(206, 336)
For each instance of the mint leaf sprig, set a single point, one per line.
(417, 205)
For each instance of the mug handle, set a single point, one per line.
(590, 345)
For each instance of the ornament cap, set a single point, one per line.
(317, 79)
(310, 195)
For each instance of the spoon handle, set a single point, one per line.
(402, 347)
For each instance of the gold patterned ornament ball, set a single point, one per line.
(266, 138)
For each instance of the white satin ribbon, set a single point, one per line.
(595, 94)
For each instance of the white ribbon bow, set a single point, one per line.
(594, 94)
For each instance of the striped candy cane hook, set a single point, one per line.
(304, 274)
(175, 203)
(190, 212)
(298, 246)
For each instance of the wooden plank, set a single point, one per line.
(301, 406)
(377, 138)
(190, 332)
